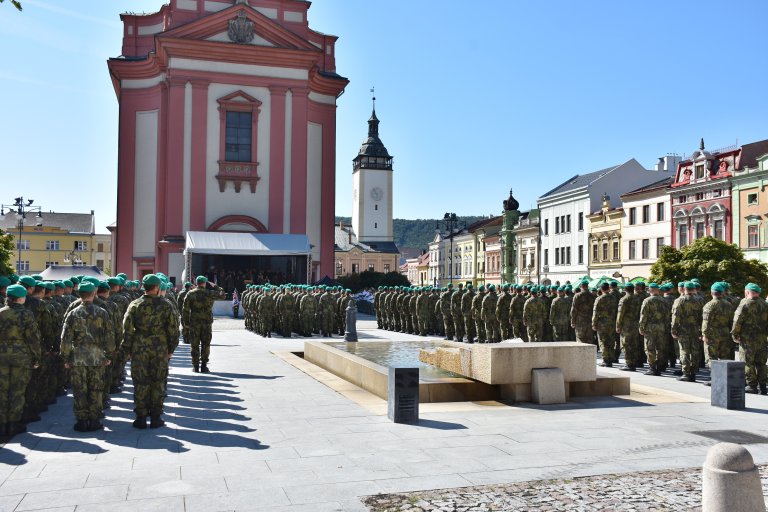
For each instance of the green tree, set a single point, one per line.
(6, 253)
(710, 260)
(15, 3)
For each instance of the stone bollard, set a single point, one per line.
(351, 333)
(731, 481)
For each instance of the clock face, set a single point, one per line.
(377, 194)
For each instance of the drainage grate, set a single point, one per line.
(732, 436)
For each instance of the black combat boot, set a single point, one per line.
(607, 363)
(628, 368)
(196, 368)
(16, 427)
(204, 368)
(763, 389)
(115, 390)
(94, 425)
(140, 422)
(81, 426)
(156, 421)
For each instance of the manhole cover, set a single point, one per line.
(732, 436)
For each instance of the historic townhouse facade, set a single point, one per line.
(750, 208)
(605, 240)
(646, 228)
(563, 212)
(526, 232)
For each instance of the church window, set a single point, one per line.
(238, 137)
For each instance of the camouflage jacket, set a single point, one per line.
(516, 306)
(456, 302)
(686, 317)
(502, 306)
(534, 310)
(560, 310)
(750, 322)
(198, 305)
(604, 312)
(466, 303)
(308, 306)
(716, 318)
(628, 313)
(19, 335)
(150, 327)
(477, 302)
(581, 309)
(445, 303)
(88, 336)
(488, 306)
(654, 314)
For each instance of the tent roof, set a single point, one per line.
(62, 272)
(246, 244)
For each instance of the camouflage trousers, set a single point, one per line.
(308, 323)
(690, 352)
(267, 323)
(88, 391)
(458, 326)
(33, 392)
(632, 346)
(326, 322)
(14, 376)
(519, 330)
(492, 330)
(200, 341)
(654, 345)
(607, 340)
(480, 328)
(48, 387)
(535, 331)
(149, 372)
(448, 321)
(585, 334)
(504, 329)
(561, 332)
(754, 353)
(718, 347)
(423, 323)
(470, 324)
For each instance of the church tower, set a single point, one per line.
(372, 188)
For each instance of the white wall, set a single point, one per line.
(218, 204)
(572, 205)
(374, 224)
(145, 184)
(651, 231)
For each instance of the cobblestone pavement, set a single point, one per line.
(649, 491)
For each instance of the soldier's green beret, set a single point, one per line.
(201, 279)
(37, 277)
(87, 287)
(584, 282)
(753, 288)
(534, 289)
(151, 280)
(14, 278)
(614, 283)
(690, 285)
(123, 275)
(568, 288)
(103, 285)
(450, 285)
(560, 288)
(554, 287)
(189, 283)
(4, 281)
(348, 290)
(59, 284)
(74, 280)
(27, 281)
(718, 287)
(503, 287)
(491, 287)
(681, 284)
(114, 281)
(481, 288)
(518, 287)
(469, 286)
(695, 280)
(630, 286)
(49, 285)
(16, 291)
(40, 284)
(90, 279)
(653, 285)
(641, 284)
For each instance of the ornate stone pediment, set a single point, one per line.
(241, 29)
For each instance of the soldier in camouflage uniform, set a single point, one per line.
(327, 314)
(686, 329)
(180, 304)
(488, 312)
(716, 322)
(19, 354)
(87, 342)
(750, 323)
(434, 321)
(627, 319)
(422, 312)
(477, 317)
(534, 315)
(502, 312)
(445, 309)
(197, 315)
(466, 313)
(307, 312)
(516, 306)
(559, 315)
(604, 324)
(581, 314)
(653, 326)
(151, 334)
(458, 318)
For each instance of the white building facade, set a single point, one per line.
(563, 210)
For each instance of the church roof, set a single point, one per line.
(372, 146)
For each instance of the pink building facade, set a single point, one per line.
(227, 124)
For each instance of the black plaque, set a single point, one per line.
(728, 384)
(403, 395)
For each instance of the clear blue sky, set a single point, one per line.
(473, 97)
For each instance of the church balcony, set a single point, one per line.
(238, 173)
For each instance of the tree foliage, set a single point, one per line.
(710, 260)
(6, 253)
(15, 3)
(370, 279)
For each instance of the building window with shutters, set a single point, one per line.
(616, 250)
(581, 221)
(752, 237)
(682, 236)
(717, 230)
(646, 214)
(594, 252)
(659, 245)
(632, 216)
(646, 248)
(632, 245)
(581, 254)
(605, 251)
(660, 213)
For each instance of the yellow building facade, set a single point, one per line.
(605, 240)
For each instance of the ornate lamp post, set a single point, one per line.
(21, 209)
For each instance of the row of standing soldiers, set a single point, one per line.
(303, 309)
(649, 323)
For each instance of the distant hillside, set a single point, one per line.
(417, 233)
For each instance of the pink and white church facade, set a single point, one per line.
(227, 124)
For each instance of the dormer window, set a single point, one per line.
(699, 171)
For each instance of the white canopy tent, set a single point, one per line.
(246, 244)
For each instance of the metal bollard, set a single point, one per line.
(731, 481)
(351, 333)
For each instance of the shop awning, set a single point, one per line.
(246, 244)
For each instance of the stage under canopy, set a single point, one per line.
(235, 259)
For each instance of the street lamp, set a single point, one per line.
(21, 209)
(450, 221)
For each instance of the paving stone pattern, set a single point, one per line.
(648, 491)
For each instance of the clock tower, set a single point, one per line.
(372, 188)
